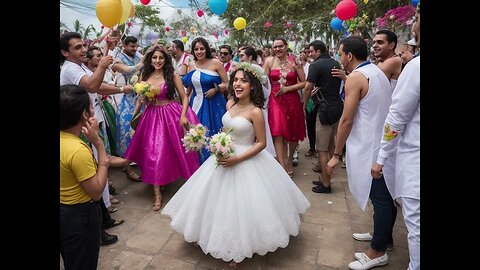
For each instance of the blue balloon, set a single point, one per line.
(217, 7)
(336, 23)
(414, 2)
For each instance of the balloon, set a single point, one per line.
(132, 11)
(145, 2)
(240, 23)
(346, 9)
(200, 13)
(226, 31)
(414, 2)
(218, 7)
(336, 23)
(184, 33)
(184, 40)
(109, 12)
(167, 29)
(267, 24)
(126, 8)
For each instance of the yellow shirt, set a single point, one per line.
(77, 164)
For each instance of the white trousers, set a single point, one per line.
(411, 216)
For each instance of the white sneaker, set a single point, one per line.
(366, 263)
(359, 255)
(362, 236)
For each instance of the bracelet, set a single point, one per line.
(335, 154)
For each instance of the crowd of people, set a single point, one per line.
(350, 108)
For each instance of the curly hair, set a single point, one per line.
(168, 70)
(257, 97)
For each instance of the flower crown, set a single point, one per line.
(256, 70)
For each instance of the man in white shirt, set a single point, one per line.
(180, 57)
(367, 99)
(403, 121)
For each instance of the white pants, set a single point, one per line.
(411, 216)
(105, 193)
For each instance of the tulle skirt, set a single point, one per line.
(234, 212)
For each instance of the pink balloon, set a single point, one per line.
(200, 13)
(346, 9)
(145, 2)
(267, 24)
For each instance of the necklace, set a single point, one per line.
(237, 109)
(157, 76)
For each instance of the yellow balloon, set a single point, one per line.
(184, 40)
(109, 12)
(126, 8)
(239, 23)
(132, 11)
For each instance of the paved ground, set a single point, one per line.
(325, 241)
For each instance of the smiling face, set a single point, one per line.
(199, 50)
(241, 86)
(279, 48)
(381, 47)
(158, 60)
(77, 52)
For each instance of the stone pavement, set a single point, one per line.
(325, 241)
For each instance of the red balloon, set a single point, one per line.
(200, 13)
(346, 9)
(167, 29)
(145, 2)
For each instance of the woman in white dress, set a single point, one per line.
(249, 204)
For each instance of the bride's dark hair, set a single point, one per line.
(257, 97)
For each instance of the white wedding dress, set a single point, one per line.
(234, 212)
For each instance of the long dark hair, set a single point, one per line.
(257, 97)
(168, 70)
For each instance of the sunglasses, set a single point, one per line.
(224, 53)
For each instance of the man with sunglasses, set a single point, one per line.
(226, 57)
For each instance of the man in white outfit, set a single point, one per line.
(403, 121)
(367, 99)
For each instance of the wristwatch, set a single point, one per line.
(120, 89)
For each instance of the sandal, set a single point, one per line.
(309, 154)
(114, 223)
(113, 200)
(112, 209)
(157, 205)
(317, 169)
(132, 175)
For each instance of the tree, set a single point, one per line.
(149, 17)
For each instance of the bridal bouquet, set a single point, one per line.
(220, 145)
(195, 138)
(146, 90)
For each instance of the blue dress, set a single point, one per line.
(209, 110)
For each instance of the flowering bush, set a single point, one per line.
(146, 90)
(399, 17)
(220, 145)
(195, 138)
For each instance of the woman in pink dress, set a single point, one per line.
(285, 111)
(156, 145)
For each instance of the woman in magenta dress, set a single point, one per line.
(285, 111)
(156, 145)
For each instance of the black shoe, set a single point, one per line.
(321, 189)
(108, 239)
(316, 182)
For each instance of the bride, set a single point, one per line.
(249, 204)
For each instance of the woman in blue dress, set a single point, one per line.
(206, 81)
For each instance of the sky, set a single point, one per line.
(84, 11)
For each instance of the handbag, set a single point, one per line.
(135, 120)
(323, 106)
